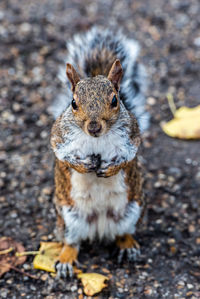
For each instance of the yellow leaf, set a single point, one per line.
(93, 282)
(185, 112)
(49, 253)
(185, 125)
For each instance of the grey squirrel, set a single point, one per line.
(98, 185)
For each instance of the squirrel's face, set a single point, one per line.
(95, 105)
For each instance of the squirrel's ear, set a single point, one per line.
(72, 75)
(115, 74)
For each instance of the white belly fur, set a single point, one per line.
(93, 194)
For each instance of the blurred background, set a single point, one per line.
(33, 45)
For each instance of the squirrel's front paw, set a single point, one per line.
(107, 172)
(128, 247)
(110, 168)
(102, 171)
(67, 258)
(90, 163)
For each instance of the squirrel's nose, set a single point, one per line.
(94, 127)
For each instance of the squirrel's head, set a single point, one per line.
(95, 104)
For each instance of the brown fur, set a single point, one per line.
(68, 254)
(126, 241)
(134, 182)
(116, 74)
(112, 170)
(62, 193)
(60, 224)
(72, 75)
(63, 185)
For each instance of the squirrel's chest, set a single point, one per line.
(90, 192)
(101, 201)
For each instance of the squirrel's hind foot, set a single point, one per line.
(67, 258)
(128, 247)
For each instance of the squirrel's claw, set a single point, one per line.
(120, 255)
(132, 254)
(67, 257)
(128, 246)
(64, 270)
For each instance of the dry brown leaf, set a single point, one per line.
(185, 125)
(93, 283)
(49, 253)
(7, 257)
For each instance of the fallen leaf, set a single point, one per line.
(7, 257)
(93, 283)
(188, 112)
(185, 125)
(48, 256)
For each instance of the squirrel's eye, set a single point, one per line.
(114, 102)
(74, 106)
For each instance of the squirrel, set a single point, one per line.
(98, 183)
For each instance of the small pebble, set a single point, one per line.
(151, 101)
(190, 286)
(191, 228)
(44, 277)
(148, 291)
(197, 41)
(171, 241)
(198, 241)
(4, 294)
